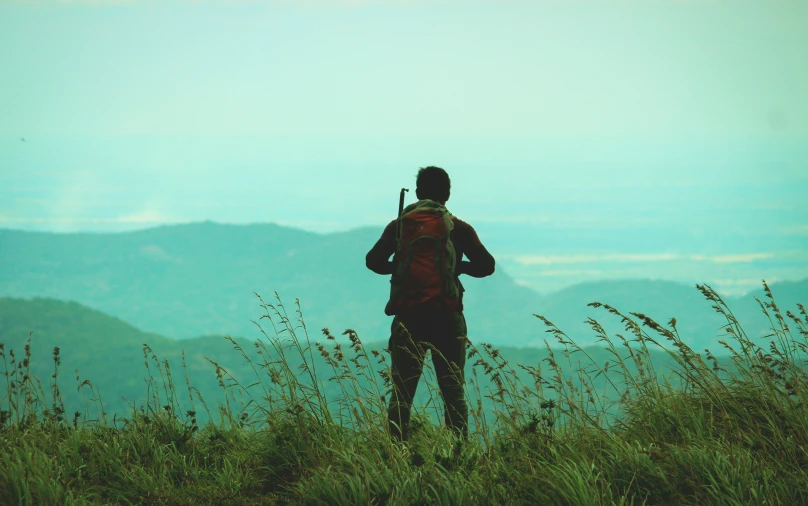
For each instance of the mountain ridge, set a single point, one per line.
(187, 280)
(118, 359)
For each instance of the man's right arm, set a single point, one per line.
(378, 258)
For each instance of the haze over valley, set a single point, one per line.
(184, 281)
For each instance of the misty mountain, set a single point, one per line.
(699, 325)
(189, 280)
(110, 354)
(183, 281)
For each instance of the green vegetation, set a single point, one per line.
(585, 426)
(111, 353)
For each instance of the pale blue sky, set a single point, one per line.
(677, 118)
(457, 68)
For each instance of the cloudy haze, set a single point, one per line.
(585, 139)
(439, 68)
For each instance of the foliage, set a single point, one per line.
(581, 427)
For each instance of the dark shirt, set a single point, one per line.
(480, 263)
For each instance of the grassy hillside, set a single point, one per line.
(727, 431)
(113, 355)
(102, 349)
(110, 354)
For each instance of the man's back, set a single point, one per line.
(466, 242)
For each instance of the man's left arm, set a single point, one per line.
(480, 262)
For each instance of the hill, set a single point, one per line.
(530, 441)
(182, 281)
(110, 353)
(187, 280)
(104, 350)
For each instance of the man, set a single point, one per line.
(432, 312)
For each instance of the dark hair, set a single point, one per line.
(432, 183)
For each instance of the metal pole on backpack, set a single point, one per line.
(398, 225)
(392, 304)
(400, 210)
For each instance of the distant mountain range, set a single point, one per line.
(183, 281)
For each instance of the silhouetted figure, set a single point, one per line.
(426, 297)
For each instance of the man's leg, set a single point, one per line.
(407, 362)
(450, 364)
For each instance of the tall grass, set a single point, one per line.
(712, 429)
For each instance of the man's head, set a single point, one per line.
(433, 183)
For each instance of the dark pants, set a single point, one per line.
(443, 330)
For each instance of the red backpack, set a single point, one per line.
(425, 259)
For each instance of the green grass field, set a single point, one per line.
(583, 427)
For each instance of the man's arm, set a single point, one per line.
(480, 262)
(378, 258)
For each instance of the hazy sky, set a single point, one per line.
(404, 68)
(678, 116)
